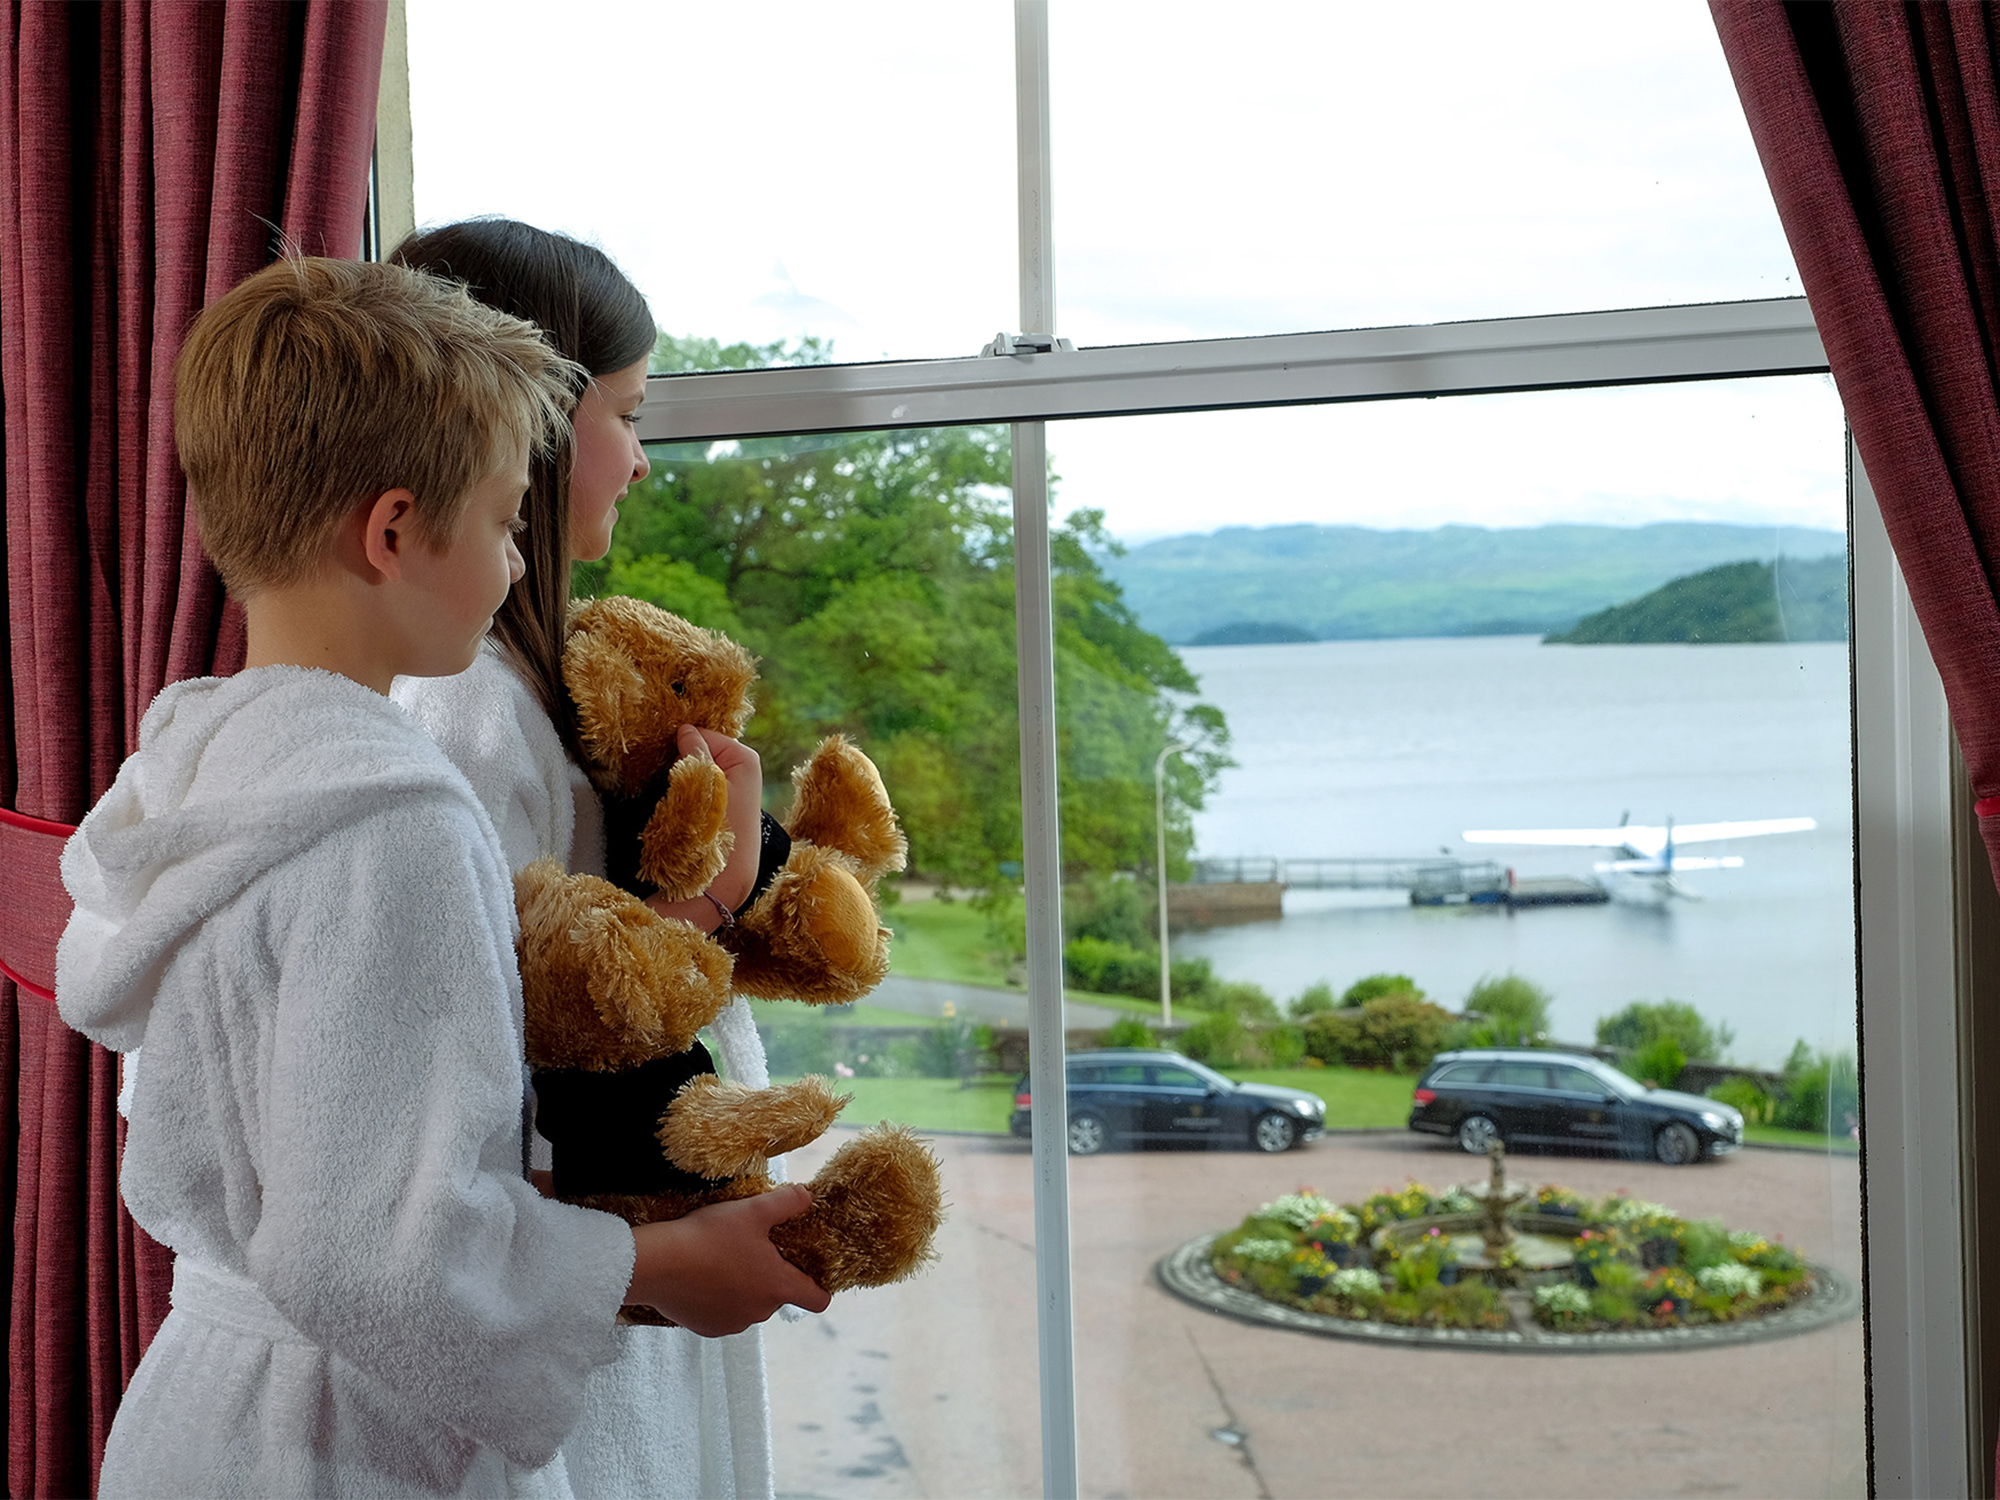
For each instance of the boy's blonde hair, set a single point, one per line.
(318, 384)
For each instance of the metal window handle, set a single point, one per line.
(1028, 343)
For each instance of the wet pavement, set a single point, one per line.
(931, 1388)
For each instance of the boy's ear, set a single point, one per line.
(388, 532)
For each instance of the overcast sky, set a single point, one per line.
(846, 169)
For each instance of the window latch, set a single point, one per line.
(1027, 343)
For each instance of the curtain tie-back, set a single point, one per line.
(33, 916)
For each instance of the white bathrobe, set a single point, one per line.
(294, 901)
(677, 1417)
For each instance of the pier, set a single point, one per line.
(1252, 890)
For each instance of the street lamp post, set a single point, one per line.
(1174, 747)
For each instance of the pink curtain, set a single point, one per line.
(1879, 129)
(146, 152)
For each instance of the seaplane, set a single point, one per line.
(1651, 856)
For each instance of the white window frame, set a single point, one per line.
(1921, 1427)
(1923, 1431)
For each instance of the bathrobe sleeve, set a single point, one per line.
(394, 1226)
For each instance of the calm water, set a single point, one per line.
(1351, 748)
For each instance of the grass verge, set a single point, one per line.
(930, 1103)
(1773, 1135)
(943, 940)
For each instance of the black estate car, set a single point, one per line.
(1520, 1095)
(1140, 1096)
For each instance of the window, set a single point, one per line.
(1598, 332)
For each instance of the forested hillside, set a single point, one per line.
(1352, 582)
(1791, 600)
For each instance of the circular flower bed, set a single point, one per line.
(1633, 1265)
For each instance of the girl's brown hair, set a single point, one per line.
(592, 314)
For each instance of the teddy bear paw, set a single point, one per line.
(686, 841)
(839, 803)
(813, 936)
(877, 1206)
(715, 1129)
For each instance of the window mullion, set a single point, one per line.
(1041, 837)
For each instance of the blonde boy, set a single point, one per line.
(294, 902)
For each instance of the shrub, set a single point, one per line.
(1112, 909)
(1245, 1001)
(1311, 1001)
(1509, 1011)
(1644, 1022)
(1660, 1062)
(1283, 1046)
(1110, 968)
(794, 1048)
(1743, 1095)
(1006, 914)
(1820, 1091)
(1333, 1036)
(952, 1048)
(1218, 1039)
(1374, 986)
(1130, 1031)
(1397, 1031)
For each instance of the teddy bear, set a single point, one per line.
(810, 930)
(640, 1124)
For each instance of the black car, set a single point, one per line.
(1139, 1096)
(1528, 1097)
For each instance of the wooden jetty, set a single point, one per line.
(1226, 891)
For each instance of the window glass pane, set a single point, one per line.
(1359, 599)
(766, 171)
(872, 576)
(1281, 165)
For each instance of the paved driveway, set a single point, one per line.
(930, 1389)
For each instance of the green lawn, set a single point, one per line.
(779, 1012)
(1772, 1135)
(943, 940)
(948, 940)
(1353, 1098)
(930, 1103)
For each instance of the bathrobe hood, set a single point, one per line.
(233, 777)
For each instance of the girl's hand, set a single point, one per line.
(744, 773)
(716, 1272)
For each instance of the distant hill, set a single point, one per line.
(1253, 633)
(1359, 583)
(1792, 600)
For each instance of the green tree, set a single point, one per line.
(873, 574)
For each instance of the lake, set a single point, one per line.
(1394, 748)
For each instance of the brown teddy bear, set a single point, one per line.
(640, 1125)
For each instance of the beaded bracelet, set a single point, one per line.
(728, 917)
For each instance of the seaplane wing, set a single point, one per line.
(1709, 833)
(1567, 838)
(1648, 851)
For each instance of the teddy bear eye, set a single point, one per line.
(680, 689)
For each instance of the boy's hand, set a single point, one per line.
(715, 1272)
(744, 773)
